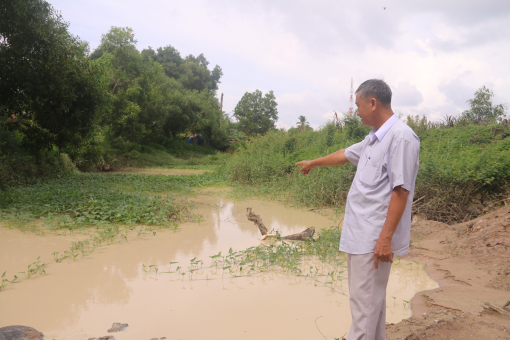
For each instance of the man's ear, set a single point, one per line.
(373, 103)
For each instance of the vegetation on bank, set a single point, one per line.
(464, 167)
(108, 108)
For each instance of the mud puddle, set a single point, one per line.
(80, 300)
(166, 172)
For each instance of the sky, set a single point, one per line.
(434, 54)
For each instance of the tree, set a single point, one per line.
(482, 111)
(115, 38)
(168, 57)
(256, 114)
(46, 81)
(148, 106)
(354, 128)
(192, 72)
(303, 124)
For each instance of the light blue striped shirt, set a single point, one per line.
(388, 157)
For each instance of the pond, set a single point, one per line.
(119, 282)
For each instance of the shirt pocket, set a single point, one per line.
(371, 173)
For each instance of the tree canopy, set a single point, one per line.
(256, 114)
(482, 110)
(46, 80)
(55, 95)
(192, 72)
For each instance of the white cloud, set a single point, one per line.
(434, 54)
(406, 95)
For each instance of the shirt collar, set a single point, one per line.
(381, 132)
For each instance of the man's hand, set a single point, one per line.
(398, 202)
(333, 159)
(382, 251)
(306, 167)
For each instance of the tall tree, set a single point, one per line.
(46, 81)
(117, 37)
(482, 110)
(168, 57)
(303, 124)
(148, 105)
(256, 114)
(192, 72)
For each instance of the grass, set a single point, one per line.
(461, 168)
(90, 199)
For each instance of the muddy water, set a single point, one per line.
(79, 300)
(166, 172)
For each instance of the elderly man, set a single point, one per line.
(377, 220)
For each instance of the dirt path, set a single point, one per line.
(471, 263)
(166, 172)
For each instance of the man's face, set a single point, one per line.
(365, 110)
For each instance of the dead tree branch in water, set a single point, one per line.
(257, 220)
(305, 234)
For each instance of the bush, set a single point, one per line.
(461, 167)
(25, 169)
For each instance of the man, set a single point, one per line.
(377, 220)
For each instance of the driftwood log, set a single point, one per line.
(257, 220)
(305, 234)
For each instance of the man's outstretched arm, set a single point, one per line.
(333, 159)
(396, 209)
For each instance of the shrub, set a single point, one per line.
(461, 167)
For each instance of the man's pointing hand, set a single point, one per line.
(306, 167)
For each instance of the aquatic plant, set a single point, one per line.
(87, 199)
(294, 258)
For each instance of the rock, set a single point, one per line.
(117, 326)
(106, 337)
(20, 333)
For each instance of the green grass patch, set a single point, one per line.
(101, 199)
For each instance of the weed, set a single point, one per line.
(282, 257)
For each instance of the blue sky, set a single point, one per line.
(434, 54)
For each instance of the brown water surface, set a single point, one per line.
(79, 300)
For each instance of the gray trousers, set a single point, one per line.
(367, 297)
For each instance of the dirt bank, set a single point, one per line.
(471, 263)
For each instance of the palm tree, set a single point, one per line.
(303, 124)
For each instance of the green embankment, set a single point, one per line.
(462, 169)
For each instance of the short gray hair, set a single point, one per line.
(375, 88)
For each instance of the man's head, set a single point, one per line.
(373, 98)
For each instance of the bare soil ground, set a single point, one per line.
(471, 263)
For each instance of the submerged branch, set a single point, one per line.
(302, 236)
